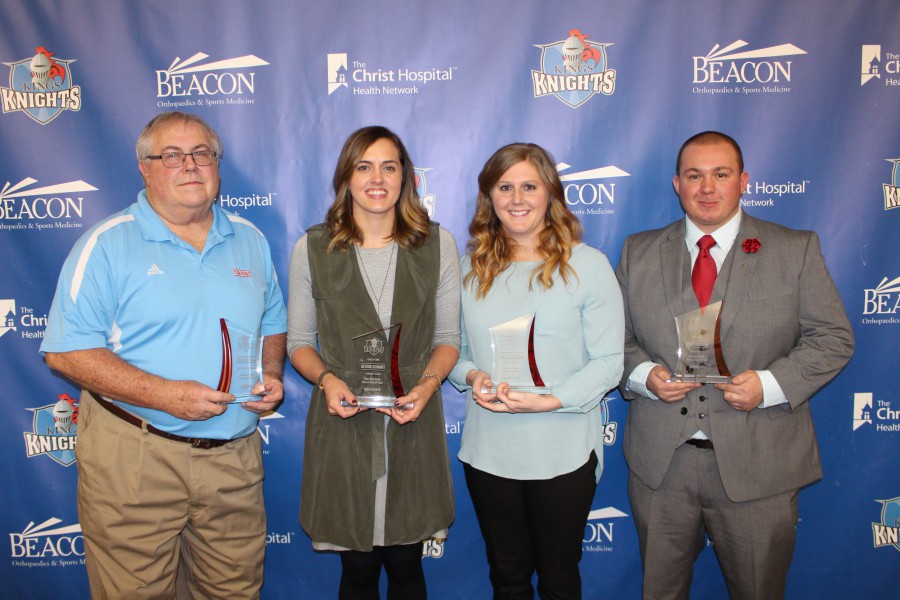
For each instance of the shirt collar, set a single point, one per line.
(153, 228)
(724, 235)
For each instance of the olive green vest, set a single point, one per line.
(344, 457)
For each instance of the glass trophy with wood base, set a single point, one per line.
(513, 359)
(241, 361)
(377, 355)
(700, 358)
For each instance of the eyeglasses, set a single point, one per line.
(175, 160)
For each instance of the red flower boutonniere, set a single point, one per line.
(751, 245)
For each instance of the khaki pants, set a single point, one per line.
(153, 509)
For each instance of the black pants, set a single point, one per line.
(362, 570)
(531, 525)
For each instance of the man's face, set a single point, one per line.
(710, 184)
(188, 187)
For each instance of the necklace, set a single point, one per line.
(386, 273)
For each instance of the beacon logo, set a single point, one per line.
(734, 70)
(46, 545)
(228, 81)
(881, 304)
(41, 86)
(600, 528)
(265, 423)
(24, 207)
(589, 192)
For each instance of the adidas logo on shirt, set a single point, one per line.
(154, 270)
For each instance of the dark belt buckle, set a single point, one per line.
(201, 443)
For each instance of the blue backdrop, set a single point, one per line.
(811, 89)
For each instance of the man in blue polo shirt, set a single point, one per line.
(170, 469)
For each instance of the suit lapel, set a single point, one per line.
(743, 265)
(672, 255)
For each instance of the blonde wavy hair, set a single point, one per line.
(492, 250)
(410, 219)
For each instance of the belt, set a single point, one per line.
(702, 444)
(202, 443)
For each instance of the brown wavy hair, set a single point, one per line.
(491, 250)
(410, 219)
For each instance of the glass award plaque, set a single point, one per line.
(513, 360)
(377, 352)
(241, 361)
(700, 358)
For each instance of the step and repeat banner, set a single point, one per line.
(810, 88)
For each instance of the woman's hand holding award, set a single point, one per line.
(377, 358)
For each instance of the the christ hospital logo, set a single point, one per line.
(883, 66)
(868, 410)
(871, 63)
(368, 78)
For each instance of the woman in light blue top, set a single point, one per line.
(532, 460)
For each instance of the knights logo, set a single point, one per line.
(41, 86)
(374, 346)
(610, 427)
(887, 533)
(573, 70)
(55, 426)
(427, 200)
(892, 189)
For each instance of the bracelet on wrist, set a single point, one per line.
(425, 376)
(321, 377)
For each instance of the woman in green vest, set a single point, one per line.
(377, 284)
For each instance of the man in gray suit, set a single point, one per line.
(724, 459)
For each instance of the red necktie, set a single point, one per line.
(704, 276)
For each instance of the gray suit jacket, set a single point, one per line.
(781, 312)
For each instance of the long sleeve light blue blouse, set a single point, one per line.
(578, 342)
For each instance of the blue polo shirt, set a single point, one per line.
(134, 287)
